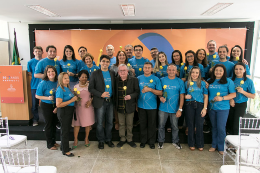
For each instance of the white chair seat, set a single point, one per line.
(17, 139)
(233, 169)
(42, 169)
(246, 141)
(250, 156)
(10, 169)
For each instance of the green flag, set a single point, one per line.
(16, 58)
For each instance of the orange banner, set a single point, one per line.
(11, 84)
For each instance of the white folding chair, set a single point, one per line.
(25, 159)
(7, 140)
(249, 137)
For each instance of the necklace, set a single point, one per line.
(83, 85)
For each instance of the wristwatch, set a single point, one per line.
(180, 110)
(206, 108)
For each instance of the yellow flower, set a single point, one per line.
(51, 92)
(161, 67)
(68, 64)
(185, 68)
(55, 59)
(182, 64)
(218, 93)
(94, 69)
(151, 81)
(207, 54)
(241, 82)
(128, 65)
(214, 56)
(120, 47)
(191, 83)
(107, 86)
(237, 58)
(100, 50)
(124, 87)
(78, 92)
(165, 86)
(140, 69)
(75, 89)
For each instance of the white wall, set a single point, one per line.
(4, 30)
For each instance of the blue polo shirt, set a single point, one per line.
(153, 62)
(90, 70)
(40, 67)
(174, 87)
(44, 89)
(224, 90)
(197, 94)
(248, 86)
(148, 100)
(228, 64)
(65, 95)
(185, 73)
(138, 64)
(107, 80)
(74, 68)
(31, 65)
(162, 72)
(247, 68)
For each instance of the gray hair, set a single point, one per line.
(122, 65)
(110, 45)
(172, 65)
(212, 41)
(129, 45)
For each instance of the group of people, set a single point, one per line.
(79, 93)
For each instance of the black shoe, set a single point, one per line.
(121, 143)
(58, 126)
(152, 146)
(101, 145)
(69, 155)
(61, 148)
(160, 145)
(110, 144)
(142, 145)
(132, 144)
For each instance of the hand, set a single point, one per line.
(133, 71)
(146, 89)
(184, 79)
(71, 74)
(203, 112)
(178, 114)
(144, 57)
(218, 98)
(232, 102)
(127, 97)
(88, 103)
(207, 84)
(245, 61)
(178, 73)
(136, 108)
(55, 111)
(75, 98)
(162, 99)
(188, 96)
(240, 90)
(210, 70)
(50, 97)
(105, 94)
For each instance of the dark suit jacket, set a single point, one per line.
(132, 90)
(97, 87)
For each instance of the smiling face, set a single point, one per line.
(138, 52)
(51, 54)
(171, 70)
(201, 55)
(123, 72)
(195, 74)
(88, 60)
(190, 58)
(66, 80)
(219, 72)
(83, 79)
(51, 74)
(82, 52)
(104, 64)
(236, 52)
(110, 51)
(162, 58)
(211, 47)
(222, 52)
(121, 58)
(176, 57)
(239, 71)
(129, 51)
(68, 53)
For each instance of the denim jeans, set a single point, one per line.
(104, 113)
(218, 120)
(35, 103)
(163, 116)
(194, 120)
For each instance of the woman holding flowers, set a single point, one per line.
(161, 64)
(46, 93)
(70, 64)
(84, 109)
(196, 107)
(90, 67)
(65, 103)
(177, 60)
(221, 90)
(245, 89)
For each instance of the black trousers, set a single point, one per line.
(65, 116)
(233, 117)
(147, 119)
(50, 121)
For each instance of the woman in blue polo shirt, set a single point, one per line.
(90, 67)
(65, 103)
(46, 93)
(202, 59)
(161, 65)
(221, 90)
(244, 89)
(177, 60)
(190, 62)
(196, 107)
(70, 64)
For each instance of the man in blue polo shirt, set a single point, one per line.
(150, 87)
(154, 53)
(37, 51)
(82, 52)
(129, 49)
(49, 60)
(110, 52)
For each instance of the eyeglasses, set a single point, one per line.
(122, 71)
(154, 52)
(138, 50)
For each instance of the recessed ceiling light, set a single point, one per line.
(43, 10)
(216, 8)
(128, 9)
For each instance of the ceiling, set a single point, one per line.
(96, 10)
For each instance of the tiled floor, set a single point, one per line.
(127, 159)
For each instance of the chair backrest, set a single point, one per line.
(4, 129)
(20, 158)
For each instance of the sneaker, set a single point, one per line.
(35, 123)
(121, 143)
(206, 129)
(58, 126)
(177, 145)
(110, 144)
(132, 144)
(160, 145)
